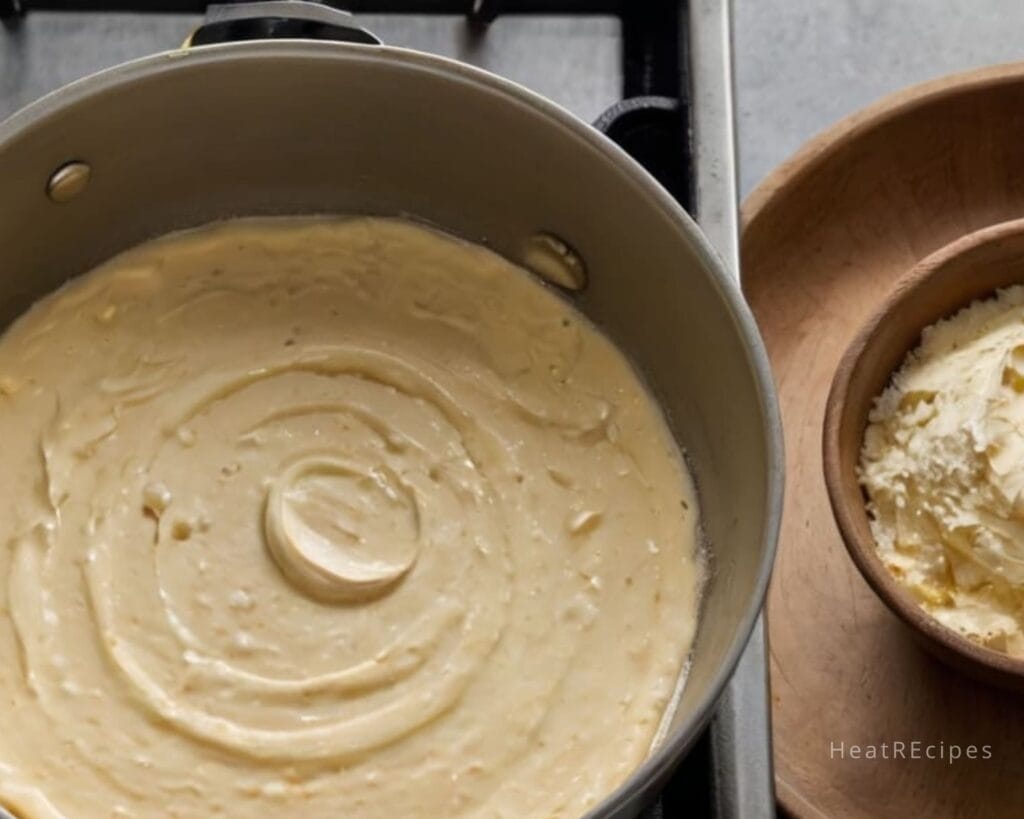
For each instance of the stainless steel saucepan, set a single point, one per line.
(301, 126)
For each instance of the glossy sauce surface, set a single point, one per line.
(330, 517)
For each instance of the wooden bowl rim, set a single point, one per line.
(863, 550)
(817, 150)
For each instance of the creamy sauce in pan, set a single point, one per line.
(330, 518)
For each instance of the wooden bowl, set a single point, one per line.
(938, 286)
(825, 238)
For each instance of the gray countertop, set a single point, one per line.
(803, 64)
(800, 64)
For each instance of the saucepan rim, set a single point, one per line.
(678, 741)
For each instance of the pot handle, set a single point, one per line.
(278, 19)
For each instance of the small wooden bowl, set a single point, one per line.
(951, 278)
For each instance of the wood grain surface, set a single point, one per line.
(973, 267)
(825, 238)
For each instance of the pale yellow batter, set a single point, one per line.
(330, 518)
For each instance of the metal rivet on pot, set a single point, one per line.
(555, 261)
(68, 181)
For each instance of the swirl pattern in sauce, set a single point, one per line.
(332, 518)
